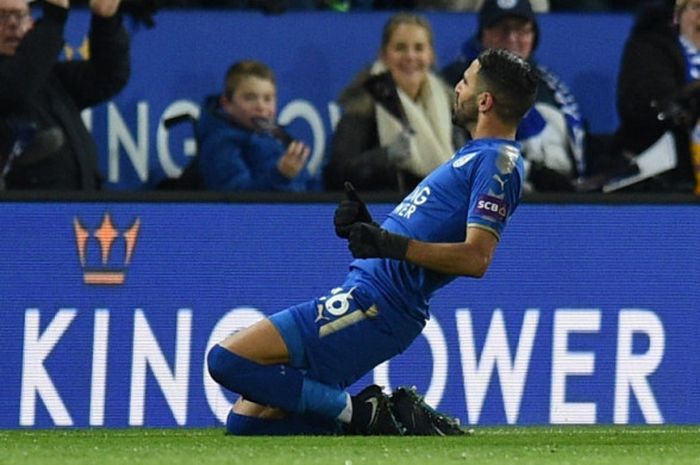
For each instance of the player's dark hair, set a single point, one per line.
(243, 69)
(510, 80)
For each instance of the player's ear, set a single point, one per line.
(485, 101)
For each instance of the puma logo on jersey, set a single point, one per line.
(500, 181)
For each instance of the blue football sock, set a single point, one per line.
(322, 399)
(275, 385)
(279, 386)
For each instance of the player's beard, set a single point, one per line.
(466, 114)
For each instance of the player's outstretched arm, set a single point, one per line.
(469, 258)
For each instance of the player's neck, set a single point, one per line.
(490, 128)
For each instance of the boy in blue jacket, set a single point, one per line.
(241, 148)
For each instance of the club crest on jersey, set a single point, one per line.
(463, 160)
(492, 207)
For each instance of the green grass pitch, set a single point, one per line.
(614, 445)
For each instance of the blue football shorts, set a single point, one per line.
(338, 338)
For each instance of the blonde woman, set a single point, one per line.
(375, 148)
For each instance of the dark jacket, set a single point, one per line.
(36, 88)
(653, 69)
(233, 158)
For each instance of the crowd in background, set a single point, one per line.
(277, 6)
(395, 125)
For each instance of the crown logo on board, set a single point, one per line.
(105, 253)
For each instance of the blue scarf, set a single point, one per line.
(692, 59)
(692, 73)
(574, 120)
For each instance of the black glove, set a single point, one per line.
(350, 211)
(371, 241)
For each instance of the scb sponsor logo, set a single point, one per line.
(492, 206)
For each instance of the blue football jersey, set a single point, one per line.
(480, 186)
